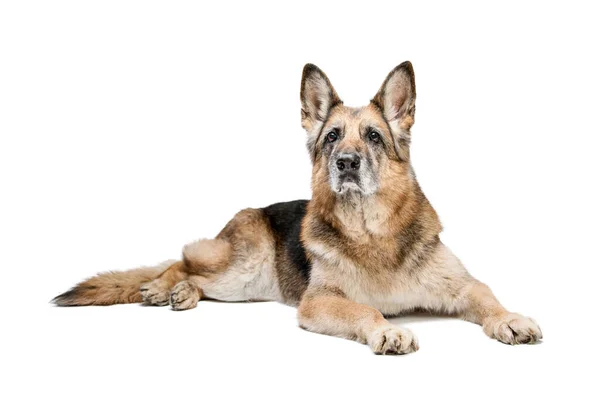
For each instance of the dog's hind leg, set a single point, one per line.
(157, 291)
(180, 284)
(238, 265)
(185, 295)
(203, 260)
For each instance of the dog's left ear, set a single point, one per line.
(318, 97)
(396, 99)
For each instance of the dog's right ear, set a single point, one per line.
(318, 97)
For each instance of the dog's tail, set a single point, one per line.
(111, 287)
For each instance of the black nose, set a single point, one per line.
(348, 161)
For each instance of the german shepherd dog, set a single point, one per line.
(367, 244)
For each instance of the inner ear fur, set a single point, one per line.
(396, 100)
(318, 97)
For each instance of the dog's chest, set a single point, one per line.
(391, 292)
(369, 279)
(433, 283)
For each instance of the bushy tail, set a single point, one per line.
(111, 287)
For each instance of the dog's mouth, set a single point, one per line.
(347, 182)
(349, 187)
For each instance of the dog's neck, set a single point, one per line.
(361, 215)
(381, 214)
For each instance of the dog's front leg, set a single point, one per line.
(483, 308)
(327, 310)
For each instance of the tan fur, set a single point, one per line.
(207, 256)
(111, 287)
(185, 295)
(327, 310)
(237, 265)
(372, 244)
(483, 308)
(157, 292)
(382, 252)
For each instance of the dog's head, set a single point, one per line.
(358, 150)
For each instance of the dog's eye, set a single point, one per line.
(374, 136)
(332, 136)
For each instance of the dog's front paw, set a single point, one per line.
(184, 296)
(155, 293)
(513, 329)
(392, 340)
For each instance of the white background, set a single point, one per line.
(130, 128)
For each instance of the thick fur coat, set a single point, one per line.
(364, 247)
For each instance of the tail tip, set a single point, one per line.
(68, 298)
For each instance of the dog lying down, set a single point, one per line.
(366, 245)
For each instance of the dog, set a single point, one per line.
(364, 247)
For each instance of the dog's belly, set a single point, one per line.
(252, 279)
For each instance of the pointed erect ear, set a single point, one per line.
(396, 99)
(317, 97)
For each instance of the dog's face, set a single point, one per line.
(356, 150)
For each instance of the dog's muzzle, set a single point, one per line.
(347, 172)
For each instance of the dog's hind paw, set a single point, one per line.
(155, 293)
(184, 296)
